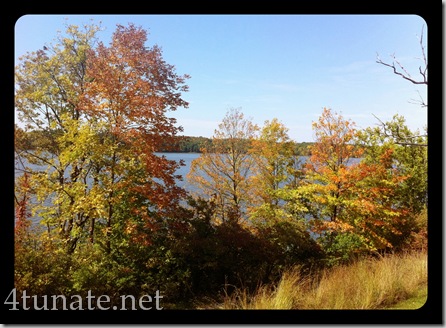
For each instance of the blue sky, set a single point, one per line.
(284, 66)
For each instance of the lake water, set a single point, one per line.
(183, 170)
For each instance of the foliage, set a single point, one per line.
(292, 244)
(94, 119)
(222, 172)
(94, 179)
(40, 263)
(181, 144)
(103, 110)
(274, 169)
(222, 257)
(349, 203)
(190, 144)
(409, 158)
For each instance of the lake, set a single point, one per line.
(183, 170)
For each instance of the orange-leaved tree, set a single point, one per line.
(348, 202)
(410, 159)
(130, 92)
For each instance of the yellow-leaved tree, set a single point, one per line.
(223, 171)
(273, 152)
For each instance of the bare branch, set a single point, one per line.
(399, 69)
(406, 73)
(418, 102)
(404, 76)
(423, 51)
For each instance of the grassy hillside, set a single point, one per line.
(367, 284)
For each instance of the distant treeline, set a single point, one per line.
(183, 144)
(189, 144)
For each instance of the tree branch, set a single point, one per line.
(396, 136)
(402, 71)
(404, 76)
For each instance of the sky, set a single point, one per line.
(287, 67)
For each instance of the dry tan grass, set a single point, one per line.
(366, 284)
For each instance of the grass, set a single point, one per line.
(366, 284)
(414, 302)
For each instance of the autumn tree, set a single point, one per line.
(411, 161)
(103, 112)
(223, 170)
(349, 203)
(49, 84)
(131, 91)
(273, 152)
(332, 152)
(410, 147)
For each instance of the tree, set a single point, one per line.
(104, 112)
(410, 156)
(331, 154)
(349, 202)
(223, 170)
(408, 159)
(274, 156)
(49, 84)
(132, 90)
